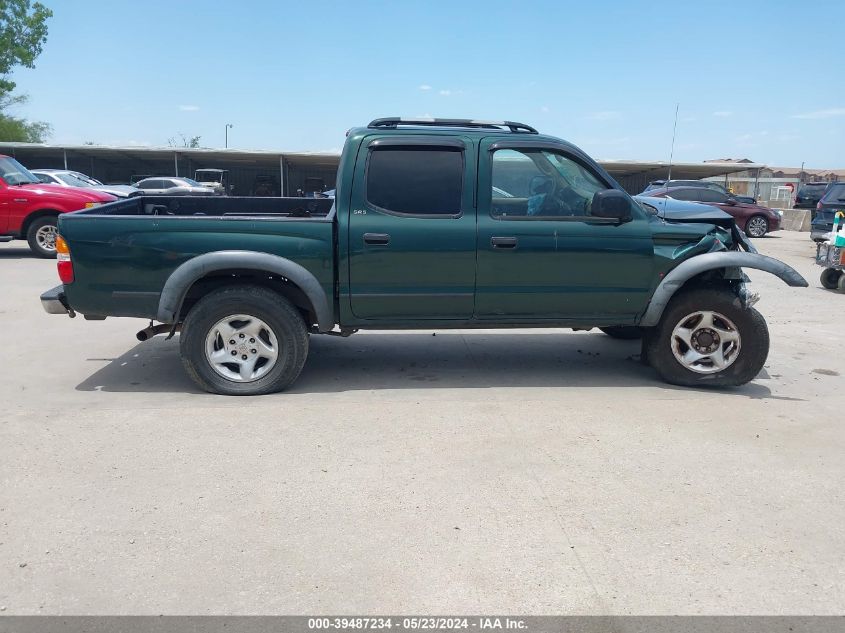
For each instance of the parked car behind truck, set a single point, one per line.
(29, 209)
(754, 219)
(832, 202)
(67, 178)
(418, 236)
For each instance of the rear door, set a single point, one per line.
(412, 228)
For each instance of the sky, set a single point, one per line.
(762, 80)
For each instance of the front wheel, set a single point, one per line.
(243, 341)
(757, 226)
(41, 235)
(706, 338)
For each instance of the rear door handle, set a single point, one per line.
(377, 239)
(503, 242)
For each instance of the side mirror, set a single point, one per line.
(611, 204)
(731, 201)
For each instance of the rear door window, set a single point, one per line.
(710, 195)
(419, 181)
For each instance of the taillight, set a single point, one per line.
(63, 262)
(819, 205)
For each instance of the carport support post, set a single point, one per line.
(282, 176)
(64, 155)
(176, 163)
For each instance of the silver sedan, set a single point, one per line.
(172, 186)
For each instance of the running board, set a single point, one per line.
(6, 238)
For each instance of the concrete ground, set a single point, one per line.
(526, 472)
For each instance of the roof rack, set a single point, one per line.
(394, 122)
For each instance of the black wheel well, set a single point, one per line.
(37, 215)
(238, 277)
(716, 278)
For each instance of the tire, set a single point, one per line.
(757, 226)
(742, 355)
(270, 342)
(840, 285)
(830, 278)
(41, 236)
(623, 332)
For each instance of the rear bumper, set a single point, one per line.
(54, 302)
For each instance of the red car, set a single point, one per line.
(755, 220)
(29, 208)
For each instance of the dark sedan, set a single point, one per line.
(707, 184)
(833, 201)
(809, 194)
(755, 220)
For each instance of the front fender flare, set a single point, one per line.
(713, 261)
(177, 285)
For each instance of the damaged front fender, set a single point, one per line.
(714, 261)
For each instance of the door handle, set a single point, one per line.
(377, 239)
(503, 242)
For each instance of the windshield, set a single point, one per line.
(73, 181)
(91, 181)
(836, 193)
(16, 174)
(209, 176)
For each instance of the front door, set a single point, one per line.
(412, 229)
(541, 254)
(5, 210)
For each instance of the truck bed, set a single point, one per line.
(123, 252)
(217, 206)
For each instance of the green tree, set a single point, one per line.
(16, 129)
(23, 32)
(182, 141)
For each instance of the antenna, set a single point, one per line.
(672, 148)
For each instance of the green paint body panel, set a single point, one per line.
(435, 272)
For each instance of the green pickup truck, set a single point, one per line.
(435, 223)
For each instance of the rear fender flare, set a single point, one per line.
(180, 281)
(714, 261)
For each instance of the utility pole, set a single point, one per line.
(228, 125)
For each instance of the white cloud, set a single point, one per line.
(723, 113)
(821, 114)
(445, 93)
(604, 115)
(425, 87)
(189, 108)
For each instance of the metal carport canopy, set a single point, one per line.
(629, 170)
(680, 171)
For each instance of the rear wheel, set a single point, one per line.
(624, 332)
(757, 226)
(41, 235)
(830, 278)
(706, 338)
(244, 340)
